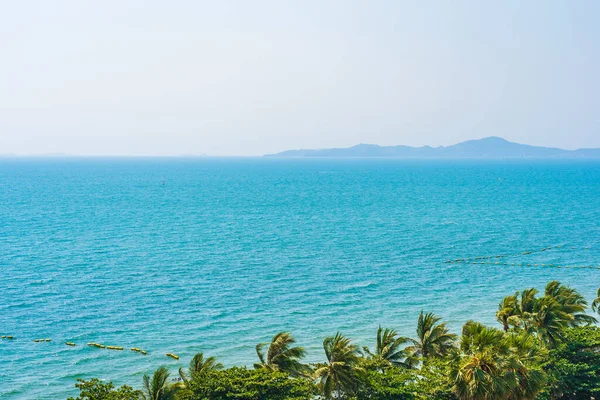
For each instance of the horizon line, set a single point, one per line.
(204, 155)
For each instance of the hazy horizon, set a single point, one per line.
(247, 79)
(42, 155)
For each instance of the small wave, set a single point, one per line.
(448, 222)
(41, 282)
(359, 285)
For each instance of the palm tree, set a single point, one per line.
(199, 365)
(513, 311)
(339, 373)
(543, 317)
(433, 339)
(526, 358)
(387, 349)
(280, 355)
(548, 321)
(596, 302)
(479, 371)
(507, 310)
(571, 301)
(548, 316)
(527, 304)
(159, 388)
(494, 365)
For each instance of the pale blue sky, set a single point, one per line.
(253, 77)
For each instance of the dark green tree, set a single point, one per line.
(430, 382)
(574, 366)
(94, 389)
(393, 383)
(244, 384)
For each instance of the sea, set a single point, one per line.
(181, 255)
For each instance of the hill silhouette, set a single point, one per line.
(490, 147)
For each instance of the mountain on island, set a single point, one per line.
(490, 147)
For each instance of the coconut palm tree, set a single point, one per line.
(281, 355)
(340, 371)
(495, 365)
(433, 339)
(527, 302)
(514, 311)
(199, 365)
(387, 348)
(596, 302)
(548, 321)
(507, 310)
(546, 316)
(543, 316)
(571, 301)
(158, 388)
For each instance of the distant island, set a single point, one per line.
(490, 147)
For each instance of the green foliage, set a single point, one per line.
(497, 365)
(574, 366)
(199, 365)
(388, 351)
(596, 302)
(158, 387)
(391, 384)
(243, 384)
(433, 339)
(339, 374)
(546, 317)
(434, 380)
(281, 355)
(547, 350)
(572, 303)
(508, 309)
(431, 382)
(94, 389)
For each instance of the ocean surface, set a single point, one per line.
(184, 255)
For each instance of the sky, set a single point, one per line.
(183, 77)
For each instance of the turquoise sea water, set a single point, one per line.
(216, 255)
